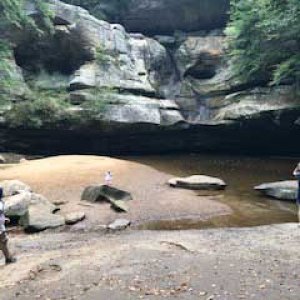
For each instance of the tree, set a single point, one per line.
(264, 40)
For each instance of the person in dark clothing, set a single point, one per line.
(296, 173)
(3, 236)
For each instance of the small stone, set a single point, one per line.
(119, 224)
(74, 217)
(59, 202)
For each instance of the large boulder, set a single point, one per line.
(98, 193)
(198, 182)
(116, 197)
(39, 218)
(39, 215)
(17, 205)
(13, 187)
(282, 190)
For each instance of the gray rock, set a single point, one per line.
(2, 159)
(39, 215)
(166, 16)
(119, 224)
(39, 218)
(142, 110)
(13, 187)
(119, 205)
(200, 57)
(282, 190)
(198, 182)
(106, 193)
(74, 217)
(116, 197)
(17, 205)
(40, 200)
(252, 103)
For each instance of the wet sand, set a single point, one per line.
(63, 178)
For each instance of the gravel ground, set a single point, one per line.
(245, 263)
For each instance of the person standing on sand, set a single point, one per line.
(3, 236)
(108, 178)
(296, 173)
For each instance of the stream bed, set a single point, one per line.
(241, 173)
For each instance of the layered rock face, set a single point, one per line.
(168, 92)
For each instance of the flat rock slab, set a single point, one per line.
(198, 182)
(95, 193)
(119, 224)
(116, 197)
(282, 190)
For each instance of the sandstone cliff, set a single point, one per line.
(159, 93)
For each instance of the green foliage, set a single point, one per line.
(12, 13)
(8, 82)
(264, 40)
(101, 55)
(5, 56)
(51, 109)
(95, 107)
(44, 80)
(43, 109)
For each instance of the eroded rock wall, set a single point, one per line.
(167, 93)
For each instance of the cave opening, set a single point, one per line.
(205, 67)
(61, 53)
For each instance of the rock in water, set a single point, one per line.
(119, 224)
(198, 182)
(13, 187)
(74, 217)
(282, 190)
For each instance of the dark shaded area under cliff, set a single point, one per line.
(248, 137)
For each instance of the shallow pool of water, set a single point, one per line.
(241, 174)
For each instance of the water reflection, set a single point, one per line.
(241, 174)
